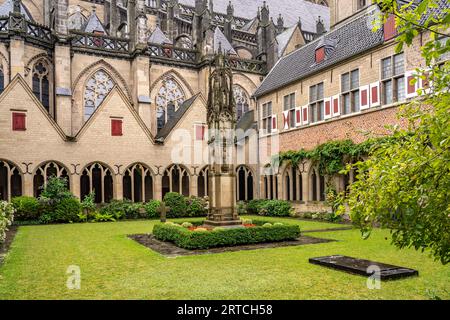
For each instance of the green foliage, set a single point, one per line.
(105, 217)
(67, 210)
(187, 225)
(6, 218)
(205, 239)
(55, 191)
(124, 209)
(177, 204)
(270, 208)
(27, 208)
(151, 208)
(405, 183)
(241, 208)
(196, 207)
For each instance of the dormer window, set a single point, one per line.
(390, 31)
(361, 4)
(320, 54)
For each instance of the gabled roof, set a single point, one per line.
(93, 23)
(8, 6)
(159, 37)
(179, 114)
(350, 39)
(246, 121)
(221, 43)
(291, 10)
(284, 38)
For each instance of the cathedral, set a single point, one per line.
(112, 94)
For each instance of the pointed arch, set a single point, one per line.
(203, 182)
(48, 169)
(174, 73)
(98, 177)
(176, 178)
(109, 69)
(245, 180)
(11, 180)
(97, 87)
(138, 183)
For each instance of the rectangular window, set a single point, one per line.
(393, 79)
(19, 121)
(289, 105)
(267, 117)
(350, 91)
(200, 130)
(116, 127)
(316, 102)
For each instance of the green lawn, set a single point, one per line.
(114, 267)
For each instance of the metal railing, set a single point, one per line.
(172, 53)
(98, 41)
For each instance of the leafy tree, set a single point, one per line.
(55, 191)
(405, 183)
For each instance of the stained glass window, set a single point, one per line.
(41, 86)
(97, 88)
(242, 101)
(168, 99)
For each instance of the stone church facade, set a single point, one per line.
(111, 94)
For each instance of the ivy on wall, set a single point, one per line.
(331, 157)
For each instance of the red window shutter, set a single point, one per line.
(390, 31)
(298, 116)
(336, 105)
(364, 97)
(116, 127)
(374, 95)
(320, 54)
(18, 121)
(274, 123)
(328, 107)
(411, 86)
(305, 115)
(200, 132)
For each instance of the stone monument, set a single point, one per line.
(221, 119)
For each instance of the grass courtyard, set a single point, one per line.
(115, 267)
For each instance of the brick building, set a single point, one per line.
(111, 94)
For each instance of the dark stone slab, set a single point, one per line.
(169, 249)
(359, 266)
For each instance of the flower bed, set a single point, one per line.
(191, 238)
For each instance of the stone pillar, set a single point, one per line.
(75, 185)
(157, 193)
(118, 187)
(17, 49)
(28, 185)
(305, 194)
(131, 10)
(194, 185)
(61, 17)
(141, 79)
(141, 25)
(113, 19)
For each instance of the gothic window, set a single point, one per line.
(10, 181)
(2, 79)
(242, 101)
(97, 88)
(293, 184)
(138, 183)
(98, 178)
(41, 84)
(202, 183)
(168, 99)
(244, 184)
(184, 42)
(46, 171)
(175, 179)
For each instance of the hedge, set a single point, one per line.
(269, 208)
(27, 208)
(222, 237)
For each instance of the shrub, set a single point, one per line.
(196, 207)
(6, 218)
(107, 217)
(67, 210)
(124, 209)
(151, 208)
(255, 206)
(187, 225)
(55, 191)
(266, 225)
(220, 237)
(27, 208)
(177, 203)
(276, 208)
(241, 208)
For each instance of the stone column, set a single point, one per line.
(118, 187)
(28, 185)
(157, 193)
(75, 185)
(63, 91)
(305, 188)
(113, 21)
